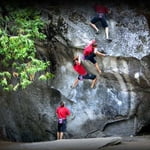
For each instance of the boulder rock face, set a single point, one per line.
(118, 105)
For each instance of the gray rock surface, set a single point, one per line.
(118, 106)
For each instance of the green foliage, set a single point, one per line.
(18, 31)
(46, 76)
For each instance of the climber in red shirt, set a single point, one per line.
(101, 12)
(62, 113)
(90, 52)
(82, 72)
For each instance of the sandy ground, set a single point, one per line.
(131, 143)
(106, 143)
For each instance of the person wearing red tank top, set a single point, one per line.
(101, 12)
(82, 72)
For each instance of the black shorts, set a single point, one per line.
(101, 19)
(62, 126)
(91, 58)
(87, 76)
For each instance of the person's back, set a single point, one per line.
(89, 48)
(62, 112)
(101, 9)
(80, 69)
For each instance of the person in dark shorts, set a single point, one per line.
(62, 113)
(101, 12)
(82, 72)
(90, 52)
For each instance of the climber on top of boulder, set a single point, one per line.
(101, 12)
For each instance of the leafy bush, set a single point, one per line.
(19, 65)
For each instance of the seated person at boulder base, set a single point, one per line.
(82, 72)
